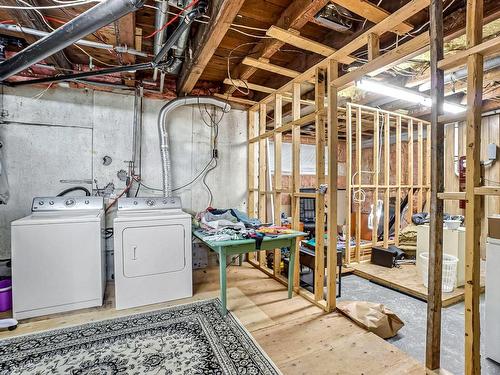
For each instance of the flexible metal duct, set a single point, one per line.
(163, 133)
(86, 23)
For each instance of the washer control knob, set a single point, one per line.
(150, 202)
(165, 201)
(51, 202)
(135, 203)
(41, 203)
(87, 201)
(69, 202)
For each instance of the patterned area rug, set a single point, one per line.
(187, 339)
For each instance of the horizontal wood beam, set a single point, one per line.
(396, 18)
(264, 64)
(460, 58)
(452, 195)
(488, 105)
(295, 16)
(385, 61)
(248, 85)
(210, 36)
(372, 13)
(303, 121)
(487, 190)
(236, 99)
(294, 38)
(493, 14)
(480, 190)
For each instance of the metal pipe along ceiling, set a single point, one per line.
(160, 20)
(163, 133)
(82, 42)
(462, 73)
(86, 23)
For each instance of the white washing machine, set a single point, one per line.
(58, 259)
(152, 252)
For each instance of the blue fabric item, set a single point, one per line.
(243, 217)
(240, 215)
(340, 245)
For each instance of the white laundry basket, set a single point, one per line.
(449, 271)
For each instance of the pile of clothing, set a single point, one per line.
(232, 224)
(216, 219)
(225, 224)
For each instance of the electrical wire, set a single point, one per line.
(190, 5)
(229, 58)
(127, 188)
(47, 18)
(94, 58)
(40, 94)
(214, 124)
(65, 5)
(250, 35)
(210, 201)
(407, 35)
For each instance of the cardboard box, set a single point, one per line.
(494, 226)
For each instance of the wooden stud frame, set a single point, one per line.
(474, 55)
(389, 139)
(362, 125)
(474, 192)
(356, 118)
(278, 118)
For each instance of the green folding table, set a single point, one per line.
(245, 246)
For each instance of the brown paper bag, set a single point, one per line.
(374, 317)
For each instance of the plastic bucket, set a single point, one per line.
(5, 294)
(450, 264)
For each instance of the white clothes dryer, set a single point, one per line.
(152, 252)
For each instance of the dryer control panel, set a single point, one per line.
(66, 203)
(153, 203)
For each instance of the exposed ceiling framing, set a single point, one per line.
(247, 49)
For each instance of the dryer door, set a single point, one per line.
(153, 250)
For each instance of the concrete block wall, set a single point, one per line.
(65, 134)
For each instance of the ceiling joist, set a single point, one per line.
(372, 13)
(295, 16)
(387, 24)
(294, 38)
(210, 37)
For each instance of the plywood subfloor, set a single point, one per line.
(298, 336)
(406, 279)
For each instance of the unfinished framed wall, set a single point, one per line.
(385, 158)
(265, 189)
(476, 186)
(388, 164)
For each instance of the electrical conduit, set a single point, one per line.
(163, 133)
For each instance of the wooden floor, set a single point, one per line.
(405, 279)
(298, 336)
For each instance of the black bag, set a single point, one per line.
(386, 257)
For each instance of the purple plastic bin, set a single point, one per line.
(5, 294)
